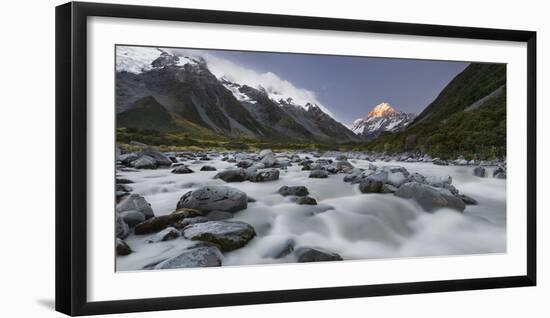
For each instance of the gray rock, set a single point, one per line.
(122, 230)
(380, 176)
(388, 188)
(145, 162)
(353, 175)
(122, 248)
(417, 177)
(182, 170)
(311, 254)
(299, 191)
(167, 234)
(265, 152)
(135, 202)
(430, 198)
(160, 159)
(320, 174)
(203, 256)
(397, 178)
(128, 158)
(500, 175)
(264, 175)
(344, 166)
(188, 221)
(208, 168)
(245, 163)
(440, 162)
(132, 218)
(159, 223)
(370, 186)
(211, 198)
(269, 160)
(227, 235)
(467, 199)
(439, 182)
(232, 175)
(305, 200)
(499, 172)
(123, 188)
(480, 172)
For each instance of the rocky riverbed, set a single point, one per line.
(191, 209)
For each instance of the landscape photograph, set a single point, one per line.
(241, 158)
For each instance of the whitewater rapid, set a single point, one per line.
(345, 221)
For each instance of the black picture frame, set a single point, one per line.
(71, 157)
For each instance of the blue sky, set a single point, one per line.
(350, 86)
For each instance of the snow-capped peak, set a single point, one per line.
(137, 59)
(382, 109)
(380, 119)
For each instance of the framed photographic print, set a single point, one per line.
(209, 158)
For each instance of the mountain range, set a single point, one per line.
(181, 93)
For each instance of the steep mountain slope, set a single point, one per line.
(475, 82)
(382, 118)
(467, 118)
(186, 88)
(146, 113)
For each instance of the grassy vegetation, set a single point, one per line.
(182, 141)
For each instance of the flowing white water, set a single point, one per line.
(345, 221)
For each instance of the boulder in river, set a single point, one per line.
(135, 202)
(480, 172)
(319, 174)
(167, 234)
(440, 162)
(228, 235)
(499, 173)
(188, 221)
(307, 200)
(380, 176)
(269, 160)
(396, 178)
(264, 175)
(127, 158)
(467, 199)
(132, 217)
(122, 230)
(183, 169)
(344, 166)
(430, 198)
(160, 159)
(438, 181)
(210, 198)
(232, 175)
(370, 186)
(299, 191)
(315, 254)
(145, 162)
(202, 256)
(159, 223)
(122, 248)
(208, 168)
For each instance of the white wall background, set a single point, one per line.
(27, 158)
